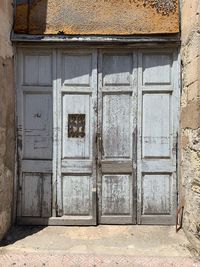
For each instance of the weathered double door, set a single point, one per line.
(98, 133)
(97, 121)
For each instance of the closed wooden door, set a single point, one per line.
(117, 115)
(97, 136)
(76, 110)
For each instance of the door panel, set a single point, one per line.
(116, 135)
(156, 125)
(35, 130)
(156, 194)
(77, 195)
(157, 137)
(116, 195)
(116, 119)
(77, 107)
(37, 126)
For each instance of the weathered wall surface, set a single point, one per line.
(114, 17)
(6, 116)
(190, 120)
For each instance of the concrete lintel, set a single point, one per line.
(95, 38)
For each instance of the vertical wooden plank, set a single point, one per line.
(94, 152)
(46, 196)
(176, 83)
(99, 133)
(19, 105)
(134, 132)
(58, 106)
(55, 134)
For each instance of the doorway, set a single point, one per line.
(97, 136)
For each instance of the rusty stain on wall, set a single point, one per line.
(108, 17)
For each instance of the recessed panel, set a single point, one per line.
(76, 126)
(36, 195)
(156, 69)
(77, 70)
(37, 130)
(31, 195)
(37, 70)
(156, 198)
(156, 125)
(116, 195)
(77, 195)
(117, 69)
(116, 126)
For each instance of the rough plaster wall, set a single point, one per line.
(190, 120)
(6, 116)
(114, 17)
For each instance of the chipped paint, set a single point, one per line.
(87, 17)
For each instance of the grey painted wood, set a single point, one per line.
(46, 209)
(156, 68)
(156, 194)
(77, 195)
(156, 125)
(116, 195)
(116, 125)
(34, 133)
(37, 126)
(157, 131)
(76, 157)
(31, 195)
(37, 69)
(132, 148)
(36, 195)
(78, 148)
(116, 120)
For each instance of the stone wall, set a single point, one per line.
(190, 120)
(7, 107)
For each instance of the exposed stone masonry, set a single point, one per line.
(7, 107)
(190, 120)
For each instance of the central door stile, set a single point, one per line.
(76, 144)
(117, 105)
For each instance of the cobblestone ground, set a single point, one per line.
(122, 246)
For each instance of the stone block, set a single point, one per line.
(193, 92)
(190, 115)
(190, 19)
(191, 72)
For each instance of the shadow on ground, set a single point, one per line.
(17, 233)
